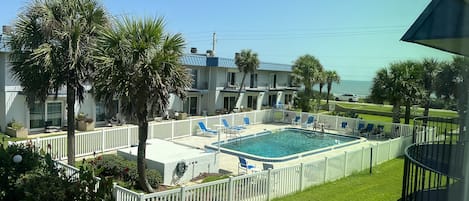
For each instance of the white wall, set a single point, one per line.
(15, 108)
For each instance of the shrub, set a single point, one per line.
(125, 170)
(15, 125)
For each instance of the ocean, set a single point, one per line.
(360, 88)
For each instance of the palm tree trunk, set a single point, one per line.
(142, 143)
(396, 112)
(329, 87)
(407, 113)
(426, 110)
(240, 88)
(70, 124)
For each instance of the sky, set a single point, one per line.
(355, 38)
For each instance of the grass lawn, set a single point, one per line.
(388, 108)
(384, 184)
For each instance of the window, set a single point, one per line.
(252, 102)
(229, 103)
(39, 113)
(288, 98)
(290, 81)
(194, 73)
(231, 78)
(274, 81)
(190, 105)
(272, 100)
(253, 83)
(103, 113)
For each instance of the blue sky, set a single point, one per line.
(355, 38)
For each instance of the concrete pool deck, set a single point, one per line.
(229, 162)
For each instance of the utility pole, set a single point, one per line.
(214, 42)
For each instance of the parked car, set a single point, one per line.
(347, 97)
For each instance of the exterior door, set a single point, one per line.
(190, 105)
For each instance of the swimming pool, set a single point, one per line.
(285, 144)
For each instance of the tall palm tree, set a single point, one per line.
(51, 48)
(322, 80)
(398, 84)
(430, 68)
(247, 62)
(139, 63)
(331, 77)
(385, 88)
(306, 70)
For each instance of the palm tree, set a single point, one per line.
(51, 48)
(140, 64)
(430, 68)
(306, 70)
(385, 88)
(247, 62)
(322, 80)
(331, 76)
(399, 85)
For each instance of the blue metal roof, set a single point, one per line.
(198, 60)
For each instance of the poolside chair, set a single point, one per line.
(245, 167)
(267, 166)
(368, 130)
(378, 133)
(343, 125)
(206, 130)
(309, 122)
(296, 121)
(246, 121)
(235, 129)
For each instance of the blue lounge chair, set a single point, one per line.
(296, 120)
(343, 125)
(368, 130)
(232, 128)
(309, 122)
(245, 167)
(246, 121)
(206, 130)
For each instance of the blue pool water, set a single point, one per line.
(284, 143)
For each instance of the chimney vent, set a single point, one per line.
(193, 50)
(209, 53)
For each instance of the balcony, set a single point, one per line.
(433, 164)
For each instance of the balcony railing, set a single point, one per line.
(433, 164)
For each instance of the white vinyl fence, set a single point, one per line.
(266, 185)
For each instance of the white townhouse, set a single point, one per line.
(214, 90)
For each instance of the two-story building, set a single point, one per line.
(217, 82)
(214, 90)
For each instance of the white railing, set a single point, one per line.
(264, 185)
(269, 184)
(88, 143)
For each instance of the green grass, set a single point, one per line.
(388, 108)
(384, 184)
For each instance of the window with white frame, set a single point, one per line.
(252, 102)
(40, 113)
(231, 78)
(253, 83)
(104, 113)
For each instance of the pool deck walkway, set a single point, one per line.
(229, 163)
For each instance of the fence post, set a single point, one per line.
(269, 181)
(302, 174)
(114, 191)
(129, 134)
(389, 150)
(172, 129)
(336, 122)
(377, 153)
(183, 193)
(103, 138)
(345, 163)
(255, 116)
(141, 196)
(326, 164)
(230, 188)
(190, 126)
(363, 157)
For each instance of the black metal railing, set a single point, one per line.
(433, 163)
